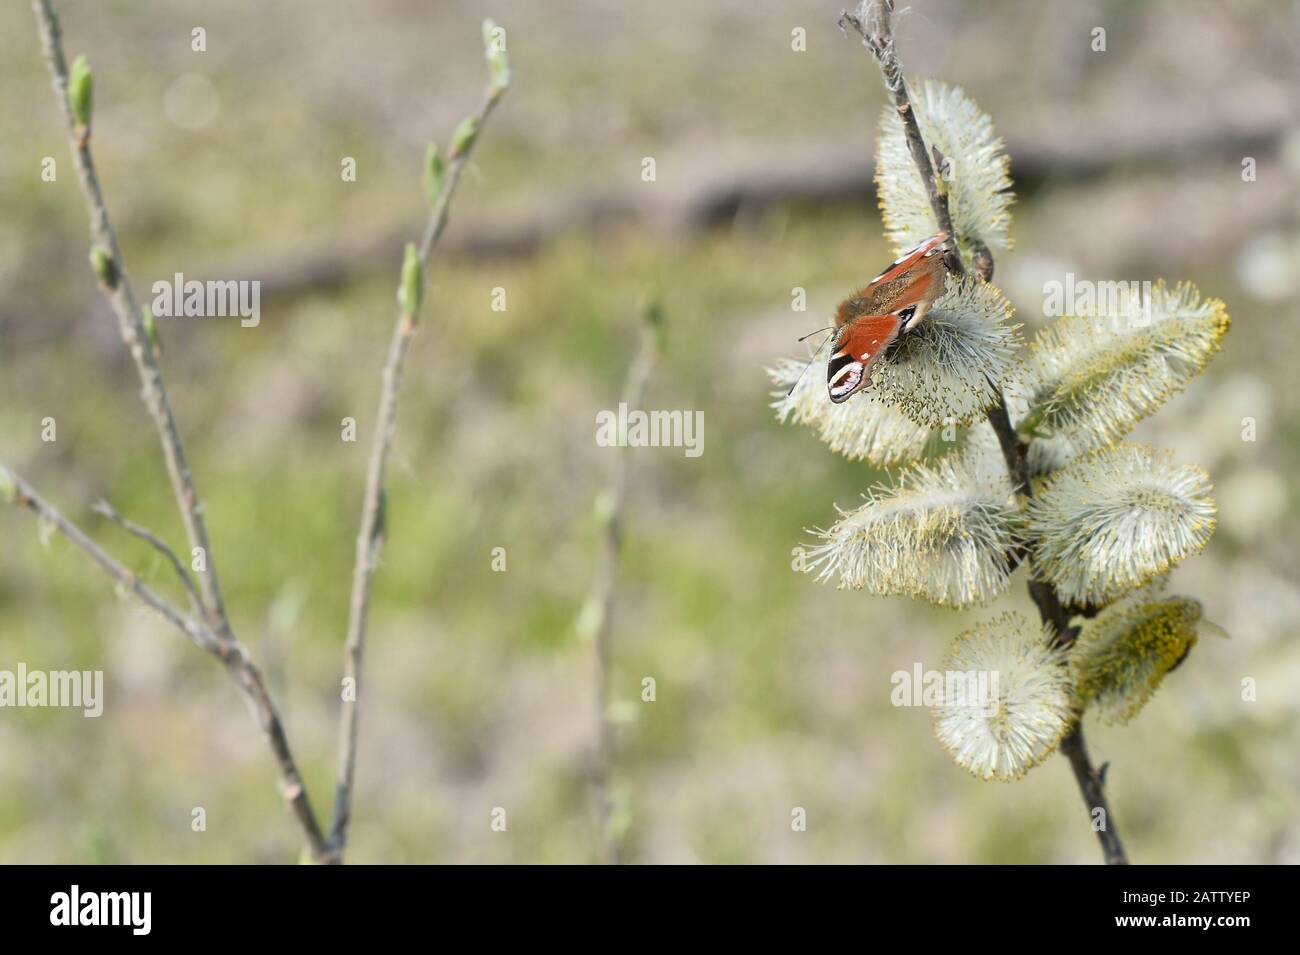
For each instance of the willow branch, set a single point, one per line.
(25, 497)
(601, 600)
(121, 296)
(22, 495)
(117, 288)
(1091, 787)
(370, 535)
(105, 509)
(873, 21)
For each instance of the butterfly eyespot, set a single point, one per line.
(843, 376)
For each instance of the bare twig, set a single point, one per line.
(25, 497)
(117, 288)
(601, 600)
(105, 509)
(232, 655)
(370, 535)
(874, 23)
(1092, 786)
(121, 296)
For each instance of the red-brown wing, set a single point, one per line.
(925, 285)
(909, 259)
(908, 287)
(857, 347)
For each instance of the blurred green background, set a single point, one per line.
(772, 690)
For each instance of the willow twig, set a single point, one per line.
(105, 509)
(121, 296)
(601, 601)
(370, 534)
(232, 656)
(873, 21)
(25, 497)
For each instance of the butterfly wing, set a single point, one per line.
(857, 346)
(915, 300)
(873, 317)
(908, 287)
(931, 249)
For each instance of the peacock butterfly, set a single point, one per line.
(891, 304)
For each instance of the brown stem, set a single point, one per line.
(603, 588)
(157, 543)
(873, 21)
(201, 633)
(117, 288)
(370, 534)
(24, 496)
(121, 297)
(1094, 796)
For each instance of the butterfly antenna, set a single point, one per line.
(828, 328)
(816, 332)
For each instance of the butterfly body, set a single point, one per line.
(891, 304)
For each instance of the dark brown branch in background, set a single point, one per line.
(603, 588)
(711, 193)
(874, 23)
(216, 624)
(370, 535)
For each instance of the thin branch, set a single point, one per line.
(201, 633)
(1091, 786)
(1013, 448)
(118, 290)
(370, 535)
(105, 509)
(1087, 611)
(603, 587)
(1015, 453)
(873, 21)
(24, 496)
(121, 296)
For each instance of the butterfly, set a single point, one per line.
(891, 304)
